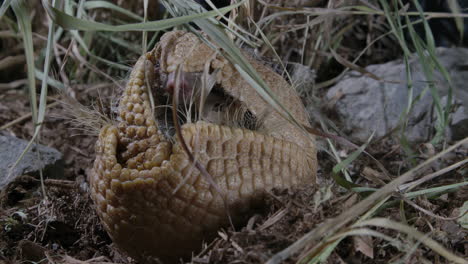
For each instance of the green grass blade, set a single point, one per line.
(463, 216)
(121, 42)
(324, 254)
(456, 10)
(392, 21)
(43, 96)
(367, 9)
(75, 34)
(436, 190)
(84, 41)
(397, 30)
(4, 7)
(22, 14)
(69, 22)
(429, 64)
(24, 21)
(48, 56)
(340, 166)
(144, 39)
(338, 159)
(50, 81)
(108, 5)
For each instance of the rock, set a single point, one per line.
(38, 157)
(365, 105)
(459, 124)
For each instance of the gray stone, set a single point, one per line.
(38, 157)
(459, 124)
(365, 105)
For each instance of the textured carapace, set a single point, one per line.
(138, 169)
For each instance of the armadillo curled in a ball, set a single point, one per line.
(152, 200)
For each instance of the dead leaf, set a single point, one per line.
(364, 245)
(375, 176)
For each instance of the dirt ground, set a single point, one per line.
(64, 228)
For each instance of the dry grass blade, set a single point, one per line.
(333, 225)
(355, 67)
(351, 10)
(98, 260)
(273, 219)
(331, 243)
(432, 244)
(111, 6)
(236, 27)
(13, 84)
(9, 61)
(427, 212)
(431, 176)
